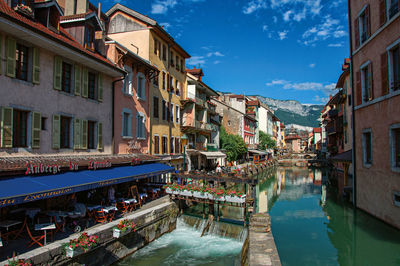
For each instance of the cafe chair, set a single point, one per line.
(100, 216)
(35, 239)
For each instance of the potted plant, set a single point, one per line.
(80, 245)
(124, 227)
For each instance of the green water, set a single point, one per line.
(312, 230)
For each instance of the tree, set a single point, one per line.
(233, 144)
(266, 141)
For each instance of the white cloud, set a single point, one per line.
(339, 33)
(336, 44)
(165, 25)
(274, 19)
(265, 27)
(312, 65)
(216, 62)
(286, 15)
(330, 28)
(195, 60)
(215, 54)
(254, 5)
(283, 34)
(318, 98)
(303, 86)
(162, 6)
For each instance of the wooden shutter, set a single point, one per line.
(1, 54)
(85, 84)
(77, 134)
(168, 82)
(356, 33)
(99, 136)
(57, 73)
(368, 19)
(370, 83)
(382, 12)
(84, 134)
(6, 127)
(78, 79)
(36, 66)
(100, 87)
(11, 60)
(36, 129)
(56, 131)
(358, 87)
(168, 112)
(384, 73)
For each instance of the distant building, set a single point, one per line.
(294, 143)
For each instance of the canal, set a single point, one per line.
(311, 226)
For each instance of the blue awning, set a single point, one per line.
(24, 189)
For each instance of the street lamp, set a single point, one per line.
(184, 140)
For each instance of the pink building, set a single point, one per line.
(132, 100)
(250, 131)
(375, 57)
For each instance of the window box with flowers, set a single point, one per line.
(124, 227)
(24, 10)
(17, 262)
(81, 245)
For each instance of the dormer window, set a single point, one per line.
(89, 38)
(48, 14)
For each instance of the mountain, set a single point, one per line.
(292, 112)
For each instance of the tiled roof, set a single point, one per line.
(75, 16)
(317, 130)
(62, 37)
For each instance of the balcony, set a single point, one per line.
(333, 113)
(211, 107)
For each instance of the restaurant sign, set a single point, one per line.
(41, 168)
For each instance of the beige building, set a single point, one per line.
(145, 37)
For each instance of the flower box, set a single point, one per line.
(118, 233)
(235, 199)
(186, 193)
(200, 195)
(70, 252)
(123, 227)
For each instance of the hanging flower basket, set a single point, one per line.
(124, 227)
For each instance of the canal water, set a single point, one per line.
(311, 226)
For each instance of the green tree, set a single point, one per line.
(266, 141)
(233, 144)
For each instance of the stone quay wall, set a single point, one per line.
(151, 223)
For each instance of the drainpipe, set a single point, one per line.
(352, 108)
(113, 112)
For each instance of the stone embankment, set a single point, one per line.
(152, 221)
(259, 247)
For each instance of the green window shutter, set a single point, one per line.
(1, 53)
(100, 87)
(11, 60)
(77, 134)
(99, 136)
(84, 134)
(6, 127)
(85, 85)
(56, 131)
(57, 73)
(78, 80)
(36, 129)
(36, 66)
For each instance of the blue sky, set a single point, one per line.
(283, 49)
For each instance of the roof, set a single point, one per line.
(195, 71)
(213, 154)
(62, 37)
(346, 156)
(145, 19)
(258, 152)
(292, 137)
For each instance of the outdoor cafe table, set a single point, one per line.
(7, 224)
(45, 227)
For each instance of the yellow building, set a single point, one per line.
(283, 143)
(145, 37)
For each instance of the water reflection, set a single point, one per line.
(312, 228)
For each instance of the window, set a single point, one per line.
(43, 123)
(177, 145)
(182, 66)
(141, 83)
(89, 38)
(164, 145)
(155, 46)
(367, 147)
(155, 107)
(177, 87)
(172, 112)
(20, 126)
(363, 27)
(91, 135)
(177, 63)
(65, 132)
(126, 124)
(22, 57)
(164, 51)
(156, 145)
(395, 146)
(92, 86)
(366, 83)
(171, 84)
(172, 58)
(171, 144)
(164, 80)
(155, 79)
(159, 49)
(349, 99)
(128, 81)
(140, 126)
(164, 111)
(66, 77)
(177, 113)
(393, 8)
(394, 68)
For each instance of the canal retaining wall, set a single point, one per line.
(259, 248)
(151, 223)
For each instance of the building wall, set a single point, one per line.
(232, 119)
(377, 182)
(348, 129)
(262, 121)
(44, 99)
